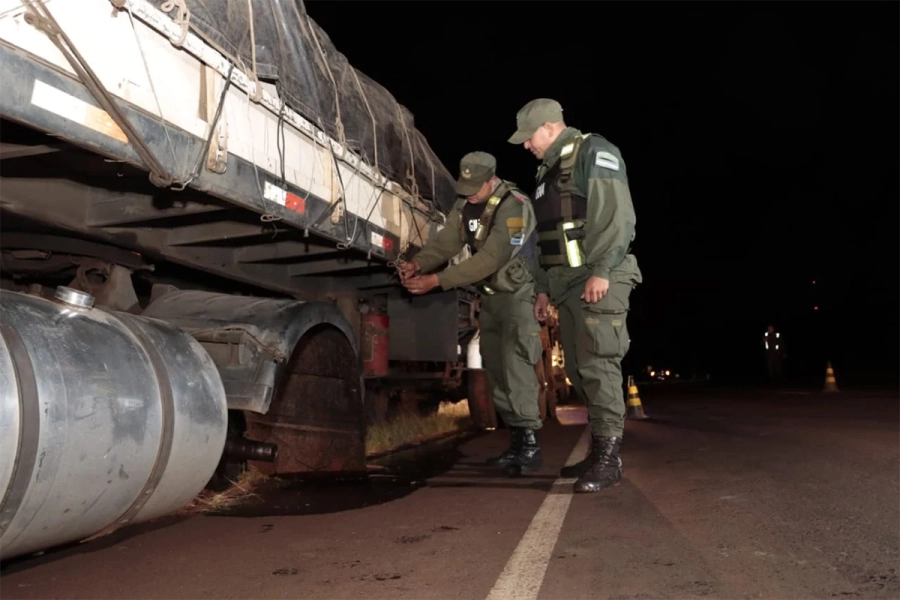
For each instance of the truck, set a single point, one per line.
(202, 210)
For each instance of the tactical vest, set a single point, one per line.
(476, 238)
(561, 210)
(518, 270)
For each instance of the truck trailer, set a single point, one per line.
(202, 207)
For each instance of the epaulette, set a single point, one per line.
(522, 198)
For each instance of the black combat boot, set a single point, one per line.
(516, 435)
(605, 468)
(528, 458)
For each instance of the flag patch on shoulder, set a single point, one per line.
(607, 160)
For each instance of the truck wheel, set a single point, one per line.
(317, 418)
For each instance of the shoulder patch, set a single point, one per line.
(607, 160)
(515, 227)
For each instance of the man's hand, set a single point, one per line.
(595, 289)
(407, 270)
(541, 302)
(422, 284)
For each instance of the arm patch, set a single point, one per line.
(607, 160)
(515, 225)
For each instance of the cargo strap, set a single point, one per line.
(39, 16)
(487, 217)
(567, 159)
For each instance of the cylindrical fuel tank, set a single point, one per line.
(106, 419)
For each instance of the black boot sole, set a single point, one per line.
(592, 487)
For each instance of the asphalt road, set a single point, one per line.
(726, 494)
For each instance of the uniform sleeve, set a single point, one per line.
(609, 227)
(445, 245)
(495, 252)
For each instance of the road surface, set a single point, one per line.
(726, 495)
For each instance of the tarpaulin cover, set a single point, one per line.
(318, 82)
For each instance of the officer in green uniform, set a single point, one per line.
(586, 225)
(497, 222)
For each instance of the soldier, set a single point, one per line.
(497, 222)
(585, 225)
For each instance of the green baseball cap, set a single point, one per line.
(474, 169)
(533, 115)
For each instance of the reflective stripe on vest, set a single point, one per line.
(561, 211)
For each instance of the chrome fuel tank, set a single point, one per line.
(106, 419)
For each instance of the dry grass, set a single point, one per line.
(239, 491)
(411, 428)
(406, 428)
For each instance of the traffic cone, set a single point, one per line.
(830, 381)
(635, 409)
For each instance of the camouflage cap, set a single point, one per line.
(474, 169)
(533, 115)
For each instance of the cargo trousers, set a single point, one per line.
(510, 348)
(595, 340)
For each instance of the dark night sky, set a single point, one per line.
(761, 141)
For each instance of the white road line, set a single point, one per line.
(523, 574)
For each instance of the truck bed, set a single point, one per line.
(183, 159)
